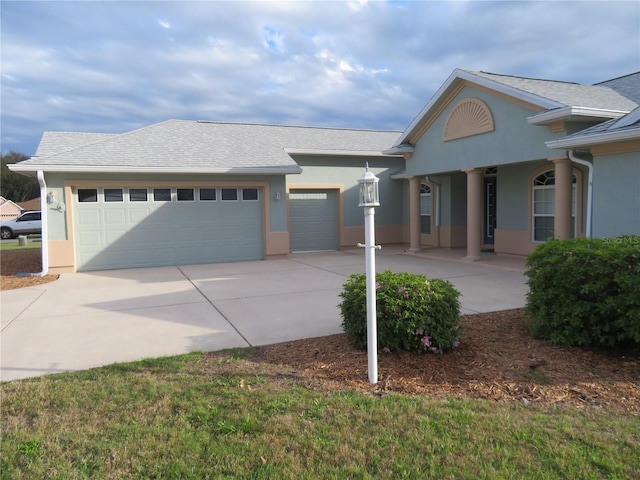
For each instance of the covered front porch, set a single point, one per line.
(508, 209)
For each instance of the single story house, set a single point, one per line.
(492, 162)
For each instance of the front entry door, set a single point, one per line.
(490, 195)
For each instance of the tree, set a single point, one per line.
(14, 186)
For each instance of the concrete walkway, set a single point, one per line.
(84, 320)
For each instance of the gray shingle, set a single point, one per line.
(628, 85)
(569, 94)
(56, 142)
(204, 145)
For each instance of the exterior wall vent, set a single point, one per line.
(469, 117)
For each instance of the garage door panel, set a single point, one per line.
(313, 220)
(128, 234)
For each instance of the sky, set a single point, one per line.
(114, 66)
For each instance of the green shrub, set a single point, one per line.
(414, 313)
(585, 291)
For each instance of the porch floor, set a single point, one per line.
(509, 262)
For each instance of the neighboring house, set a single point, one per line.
(492, 162)
(8, 210)
(33, 204)
(502, 163)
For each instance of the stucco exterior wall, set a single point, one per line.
(343, 173)
(616, 195)
(513, 139)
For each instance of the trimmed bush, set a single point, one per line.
(414, 313)
(585, 291)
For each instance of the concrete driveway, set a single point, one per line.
(85, 320)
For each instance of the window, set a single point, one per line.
(425, 208)
(544, 191)
(229, 194)
(185, 195)
(137, 194)
(113, 195)
(161, 194)
(250, 194)
(207, 194)
(29, 217)
(87, 195)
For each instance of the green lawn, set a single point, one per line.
(199, 416)
(33, 242)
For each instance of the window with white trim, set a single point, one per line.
(249, 194)
(229, 194)
(161, 194)
(425, 208)
(544, 191)
(185, 195)
(87, 195)
(207, 194)
(138, 194)
(113, 195)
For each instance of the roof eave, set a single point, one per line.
(328, 152)
(285, 170)
(573, 113)
(594, 139)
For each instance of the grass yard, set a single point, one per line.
(33, 243)
(231, 415)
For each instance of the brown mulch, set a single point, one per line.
(497, 360)
(12, 263)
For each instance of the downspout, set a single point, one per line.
(436, 207)
(589, 165)
(44, 246)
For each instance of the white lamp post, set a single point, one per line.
(370, 198)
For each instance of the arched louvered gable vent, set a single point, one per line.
(469, 117)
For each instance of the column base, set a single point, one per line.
(472, 258)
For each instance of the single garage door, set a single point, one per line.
(313, 220)
(144, 227)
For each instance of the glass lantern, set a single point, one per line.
(369, 195)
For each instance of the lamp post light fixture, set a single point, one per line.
(370, 198)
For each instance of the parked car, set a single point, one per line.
(27, 222)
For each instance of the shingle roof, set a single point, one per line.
(628, 85)
(615, 130)
(204, 146)
(566, 93)
(56, 142)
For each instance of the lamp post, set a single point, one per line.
(370, 198)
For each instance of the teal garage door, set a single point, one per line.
(148, 227)
(313, 220)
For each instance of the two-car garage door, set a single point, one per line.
(138, 227)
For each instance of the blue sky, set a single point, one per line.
(113, 66)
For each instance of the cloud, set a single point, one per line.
(112, 66)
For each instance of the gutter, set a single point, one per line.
(589, 165)
(44, 247)
(279, 170)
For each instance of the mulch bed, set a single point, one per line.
(497, 360)
(12, 263)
